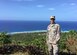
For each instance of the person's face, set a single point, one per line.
(52, 21)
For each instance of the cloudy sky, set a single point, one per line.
(64, 10)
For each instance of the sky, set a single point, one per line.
(64, 10)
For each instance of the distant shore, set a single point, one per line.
(36, 31)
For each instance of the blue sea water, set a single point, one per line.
(19, 26)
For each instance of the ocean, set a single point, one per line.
(20, 26)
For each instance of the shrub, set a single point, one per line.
(4, 38)
(71, 43)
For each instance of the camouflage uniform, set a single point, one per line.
(53, 36)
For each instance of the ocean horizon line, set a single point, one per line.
(41, 20)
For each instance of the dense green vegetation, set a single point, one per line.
(67, 43)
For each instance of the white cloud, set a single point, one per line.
(40, 5)
(51, 9)
(65, 4)
(23, 0)
(16, 0)
(72, 3)
(28, 0)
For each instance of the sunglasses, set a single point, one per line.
(52, 19)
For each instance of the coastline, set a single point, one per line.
(35, 31)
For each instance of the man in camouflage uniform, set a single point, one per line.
(53, 36)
